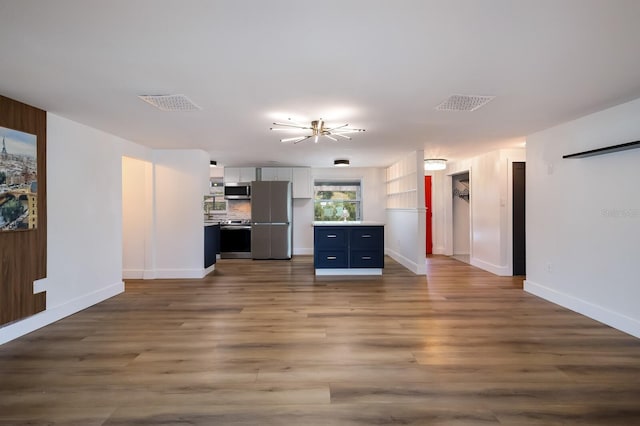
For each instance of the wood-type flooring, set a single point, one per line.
(268, 343)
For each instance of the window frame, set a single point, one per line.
(337, 182)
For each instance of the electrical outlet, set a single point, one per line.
(549, 267)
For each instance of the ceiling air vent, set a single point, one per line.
(170, 102)
(464, 103)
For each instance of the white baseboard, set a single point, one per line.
(152, 274)
(132, 274)
(56, 313)
(407, 263)
(179, 273)
(618, 321)
(303, 251)
(209, 270)
(149, 274)
(438, 250)
(502, 271)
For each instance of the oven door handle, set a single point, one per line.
(235, 228)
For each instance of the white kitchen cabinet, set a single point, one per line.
(277, 173)
(302, 182)
(239, 174)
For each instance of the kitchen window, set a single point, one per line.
(335, 201)
(214, 203)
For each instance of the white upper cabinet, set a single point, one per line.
(239, 174)
(300, 177)
(277, 173)
(302, 182)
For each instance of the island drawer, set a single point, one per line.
(330, 237)
(371, 237)
(331, 259)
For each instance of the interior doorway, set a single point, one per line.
(519, 235)
(461, 214)
(429, 214)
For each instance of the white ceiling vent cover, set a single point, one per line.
(170, 102)
(464, 103)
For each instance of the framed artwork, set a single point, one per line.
(18, 180)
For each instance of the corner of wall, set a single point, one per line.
(502, 271)
(621, 322)
(56, 313)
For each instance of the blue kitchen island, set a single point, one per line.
(348, 248)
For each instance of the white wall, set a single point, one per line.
(491, 208)
(302, 228)
(84, 223)
(137, 218)
(373, 202)
(405, 238)
(405, 233)
(583, 217)
(181, 179)
(162, 214)
(85, 195)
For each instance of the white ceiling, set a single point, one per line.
(379, 65)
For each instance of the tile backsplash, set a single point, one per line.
(238, 209)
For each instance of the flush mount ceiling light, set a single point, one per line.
(435, 164)
(318, 128)
(170, 102)
(341, 163)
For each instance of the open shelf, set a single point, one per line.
(605, 150)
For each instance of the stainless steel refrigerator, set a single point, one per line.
(271, 209)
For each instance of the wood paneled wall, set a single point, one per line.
(23, 254)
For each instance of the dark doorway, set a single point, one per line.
(427, 205)
(519, 234)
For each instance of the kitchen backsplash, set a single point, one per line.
(238, 209)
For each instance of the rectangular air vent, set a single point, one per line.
(170, 102)
(464, 103)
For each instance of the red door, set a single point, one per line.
(427, 204)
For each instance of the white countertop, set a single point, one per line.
(351, 223)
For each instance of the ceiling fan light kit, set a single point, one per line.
(318, 129)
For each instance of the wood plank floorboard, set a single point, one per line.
(268, 343)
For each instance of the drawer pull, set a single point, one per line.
(331, 257)
(366, 236)
(331, 236)
(366, 257)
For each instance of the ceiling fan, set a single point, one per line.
(318, 128)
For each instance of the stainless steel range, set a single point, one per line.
(235, 239)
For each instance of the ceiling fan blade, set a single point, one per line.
(303, 139)
(347, 131)
(341, 135)
(295, 140)
(291, 125)
(336, 128)
(295, 122)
